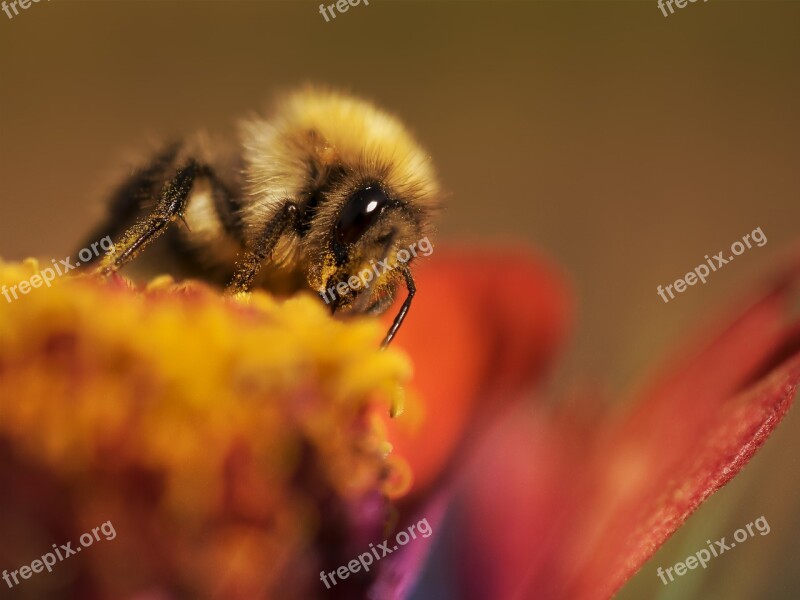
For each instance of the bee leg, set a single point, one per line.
(125, 204)
(401, 315)
(248, 266)
(169, 207)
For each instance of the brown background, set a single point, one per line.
(625, 144)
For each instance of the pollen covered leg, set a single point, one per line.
(133, 198)
(170, 206)
(250, 264)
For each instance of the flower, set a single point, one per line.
(569, 502)
(240, 446)
(235, 445)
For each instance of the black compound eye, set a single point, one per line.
(361, 211)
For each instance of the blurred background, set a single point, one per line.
(623, 144)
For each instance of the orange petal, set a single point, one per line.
(484, 326)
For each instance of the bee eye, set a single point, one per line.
(361, 211)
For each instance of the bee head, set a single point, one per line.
(375, 235)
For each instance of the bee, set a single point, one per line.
(323, 189)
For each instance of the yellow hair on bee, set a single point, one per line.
(315, 130)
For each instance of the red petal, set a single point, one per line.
(675, 487)
(695, 427)
(587, 511)
(484, 325)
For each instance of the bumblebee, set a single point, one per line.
(314, 194)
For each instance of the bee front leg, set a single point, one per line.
(170, 206)
(401, 315)
(248, 267)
